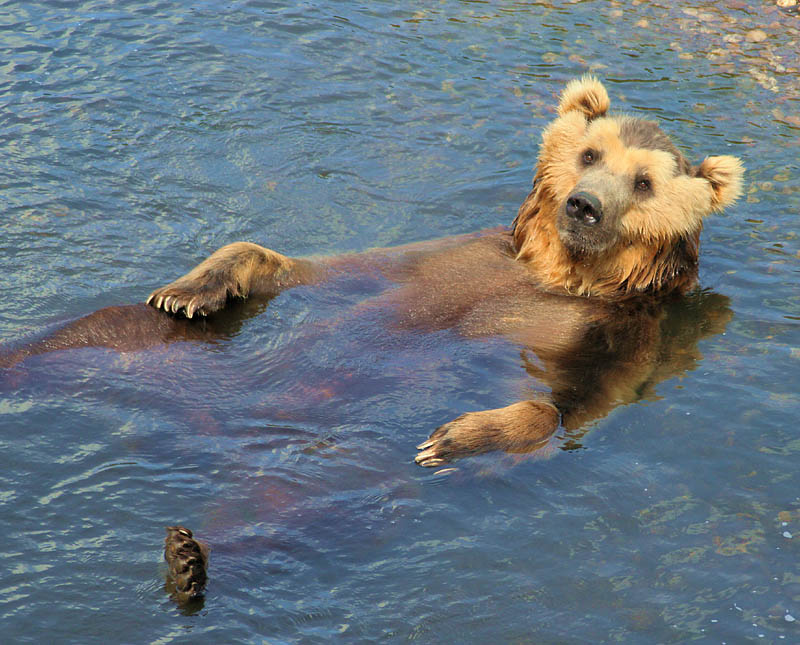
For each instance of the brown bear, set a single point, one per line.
(582, 282)
(610, 229)
(590, 283)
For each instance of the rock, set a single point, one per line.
(756, 36)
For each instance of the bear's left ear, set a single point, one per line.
(586, 95)
(725, 175)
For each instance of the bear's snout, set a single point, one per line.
(584, 208)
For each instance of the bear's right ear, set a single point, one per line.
(586, 95)
(725, 174)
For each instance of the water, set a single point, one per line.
(137, 137)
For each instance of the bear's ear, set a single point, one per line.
(586, 95)
(725, 175)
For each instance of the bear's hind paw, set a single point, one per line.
(188, 563)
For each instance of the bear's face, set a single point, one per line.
(622, 179)
(617, 196)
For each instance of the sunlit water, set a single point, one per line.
(137, 137)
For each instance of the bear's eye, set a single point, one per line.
(643, 185)
(588, 157)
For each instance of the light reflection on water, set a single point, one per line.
(139, 137)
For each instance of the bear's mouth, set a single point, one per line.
(577, 243)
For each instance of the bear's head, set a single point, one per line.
(615, 207)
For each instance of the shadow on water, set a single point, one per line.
(607, 370)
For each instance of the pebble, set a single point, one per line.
(789, 618)
(786, 3)
(787, 535)
(756, 36)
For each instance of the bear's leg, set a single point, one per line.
(237, 270)
(520, 427)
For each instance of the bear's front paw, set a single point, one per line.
(520, 427)
(189, 296)
(467, 435)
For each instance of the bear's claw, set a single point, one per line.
(189, 298)
(434, 450)
(429, 461)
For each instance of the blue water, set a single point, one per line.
(138, 137)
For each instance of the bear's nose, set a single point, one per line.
(585, 208)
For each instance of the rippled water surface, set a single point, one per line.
(137, 137)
